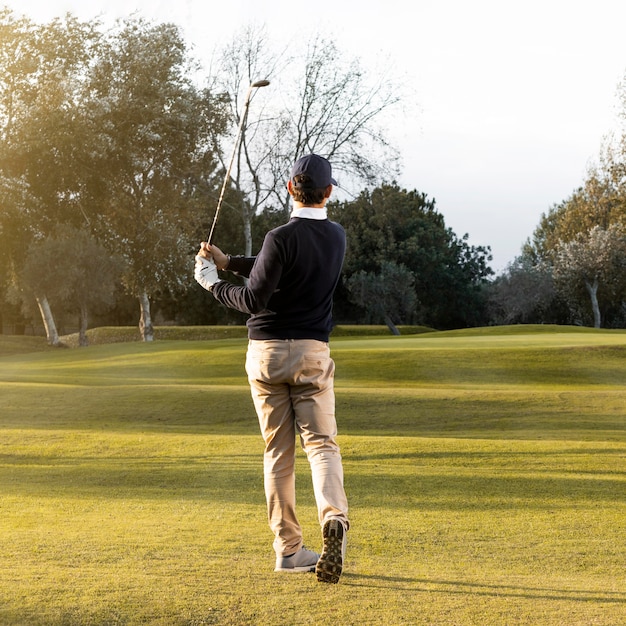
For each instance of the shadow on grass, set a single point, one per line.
(238, 477)
(570, 415)
(430, 490)
(481, 456)
(480, 589)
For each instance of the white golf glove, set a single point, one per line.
(205, 272)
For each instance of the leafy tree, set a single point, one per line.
(74, 271)
(387, 297)
(105, 131)
(43, 67)
(594, 263)
(392, 225)
(596, 203)
(570, 237)
(579, 240)
(154, 150)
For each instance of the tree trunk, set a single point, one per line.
(391, 325)
(592, 288)
(52, 334)
(247, 234)
(82, 328)
(145, 321)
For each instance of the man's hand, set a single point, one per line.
(209, 251)
(205, 272)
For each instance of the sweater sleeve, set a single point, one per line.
(241, 265)
(263, 279)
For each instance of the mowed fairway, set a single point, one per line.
(486, 473)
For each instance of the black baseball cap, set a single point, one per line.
(317, 168)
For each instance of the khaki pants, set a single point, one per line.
(292, 388)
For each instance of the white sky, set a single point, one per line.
(513, 97)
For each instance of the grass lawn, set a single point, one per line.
(485, 469)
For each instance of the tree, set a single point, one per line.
(154, 149)
(241, 63)
(570, 238)
(392, 225)
(331, 107)
(75, 273)
(596, 203)
(13, 194)
(337, 112)
(43, 67)
(387, 297)
(580, 239)
(525, 294)
(594, 263)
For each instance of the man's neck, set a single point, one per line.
(300, 205)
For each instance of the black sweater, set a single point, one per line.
(291, 282)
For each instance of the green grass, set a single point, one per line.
(486, 473)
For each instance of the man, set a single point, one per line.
(289, 296)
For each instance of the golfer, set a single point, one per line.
(289, 298)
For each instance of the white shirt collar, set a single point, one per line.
(310, 213)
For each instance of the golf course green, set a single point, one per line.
(485, 470)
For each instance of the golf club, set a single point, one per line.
(242, 121)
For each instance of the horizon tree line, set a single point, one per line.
(112, 155)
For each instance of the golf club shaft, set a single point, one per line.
(242, 121)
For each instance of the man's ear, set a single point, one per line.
(329, 191)
(290, 187)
